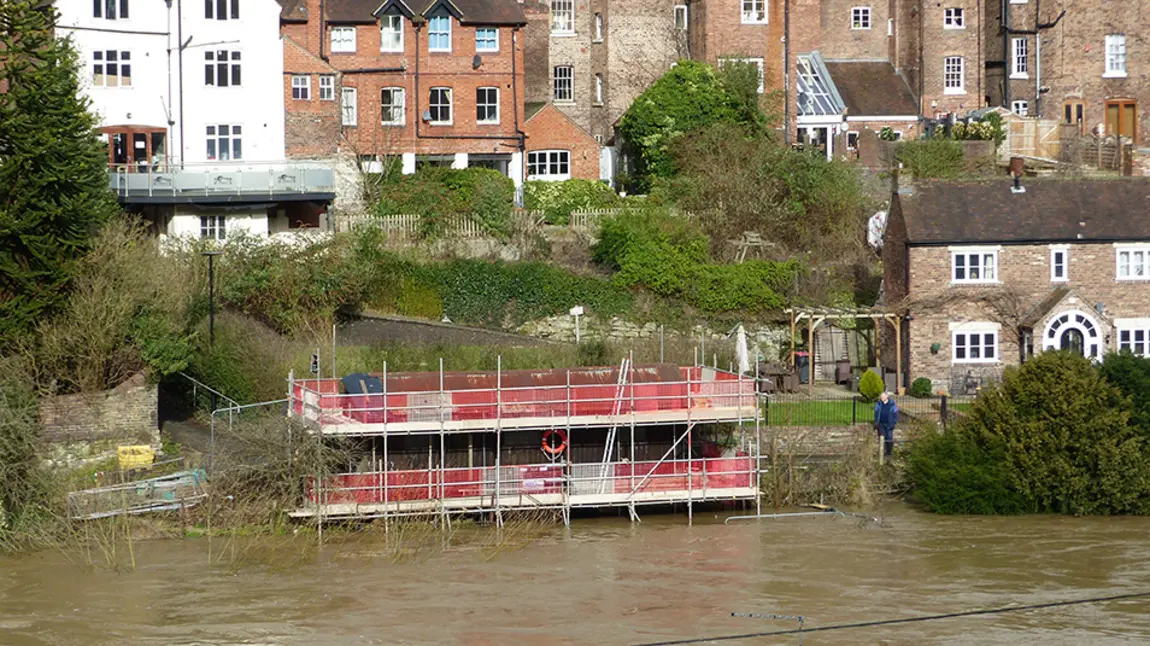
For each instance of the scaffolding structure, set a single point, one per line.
(570, 402)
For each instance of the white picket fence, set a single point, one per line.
(409, 226)
(588, 220)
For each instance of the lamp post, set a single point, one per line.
(212, 304)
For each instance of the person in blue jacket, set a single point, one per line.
(885, 419)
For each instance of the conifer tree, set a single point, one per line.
(54, 192)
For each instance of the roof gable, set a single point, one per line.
(988, 212)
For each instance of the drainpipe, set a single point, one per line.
(787, 72)
(1004, 29)
(323, 31)
(1037, 61)
(180, 81)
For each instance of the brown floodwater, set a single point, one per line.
(606, 581)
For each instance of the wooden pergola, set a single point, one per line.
(819, 315)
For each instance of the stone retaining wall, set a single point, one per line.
(127, 413)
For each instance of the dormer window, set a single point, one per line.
(439, 34)
(391, 34)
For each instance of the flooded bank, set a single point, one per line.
(607, 581)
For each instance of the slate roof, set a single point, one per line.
(982, 212)
(469, 12)
(293, 10)
(872, 89)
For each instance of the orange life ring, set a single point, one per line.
(551, 449)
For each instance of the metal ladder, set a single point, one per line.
(617, 407)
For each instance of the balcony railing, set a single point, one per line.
(221, 180)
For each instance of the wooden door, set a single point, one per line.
(1122, 119)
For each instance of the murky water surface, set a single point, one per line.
(606, 581)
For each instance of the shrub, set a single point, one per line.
(1060, 436)
(558, 199)
(690, 95)
(921, 387)
(870, 385)
(1131, 375)
(955, 475)
(438, 193)
(932, 158)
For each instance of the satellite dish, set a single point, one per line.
(427, 115)
(476, 62)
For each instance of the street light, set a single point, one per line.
(212, 305)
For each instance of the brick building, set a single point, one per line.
(987, 276)
(1082, 63)
(433, 81)
(557, 148)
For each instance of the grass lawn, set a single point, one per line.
(817, 413)
(962, 407)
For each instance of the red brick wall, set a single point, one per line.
(550, 129)
(312, 123)
(312, 127)
(939, 43)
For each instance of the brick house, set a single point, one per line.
(987, 276)
(557, 148)
(1093, 68)
(422, 81)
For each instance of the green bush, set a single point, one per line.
(955, 475)
(558, 199)
(438, 193)
(690, 95)
(1054, 434)
(1131, 375)
(932, 158)
(667, 255)
(871, 385)
(921, 387)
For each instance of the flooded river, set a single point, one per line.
(606, 581)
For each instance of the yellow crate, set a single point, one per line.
(134, 457)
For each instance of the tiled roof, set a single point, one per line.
(872, 89)
(293, 10)
(988, 212)
(469, 12)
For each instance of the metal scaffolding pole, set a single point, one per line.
(442, 449)
(498, 435)
(758, 446)
(386, 525)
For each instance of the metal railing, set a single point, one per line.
(223, 178)
(782, 410)
(540, 485)
(319, 401)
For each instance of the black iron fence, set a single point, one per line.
(785, 410)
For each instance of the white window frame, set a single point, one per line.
(562, 17)
(1059, 259)
(755, 12)
(550, 158)
(1130, 256)
(450, 106)
(598, 89)
(487, 122)
(301, 87)
(235, 135)
(220, 10)
(1133, 335)
(391, 26)
(493, 30)
(890, 26)
(438, 20)
(756, 61)
(860, 18)
(852, 134)
(1115, 54)
(681, 17)
(954, 18)
(214, 227)
(345, 42)
(110, 9)
(598, 29)
(947, 61)
(566, 93)
(398, 118)
(327, 87)
(102, 61)
(349, 106)
(1019, 58)
(978, 333)
(982, 255)
(1021, 107)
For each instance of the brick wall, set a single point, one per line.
(551, 129)
(1024, 272)
(312, 125)
(938, 43)
(127, 413)
(537, 45)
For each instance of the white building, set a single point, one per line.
(190, 98)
